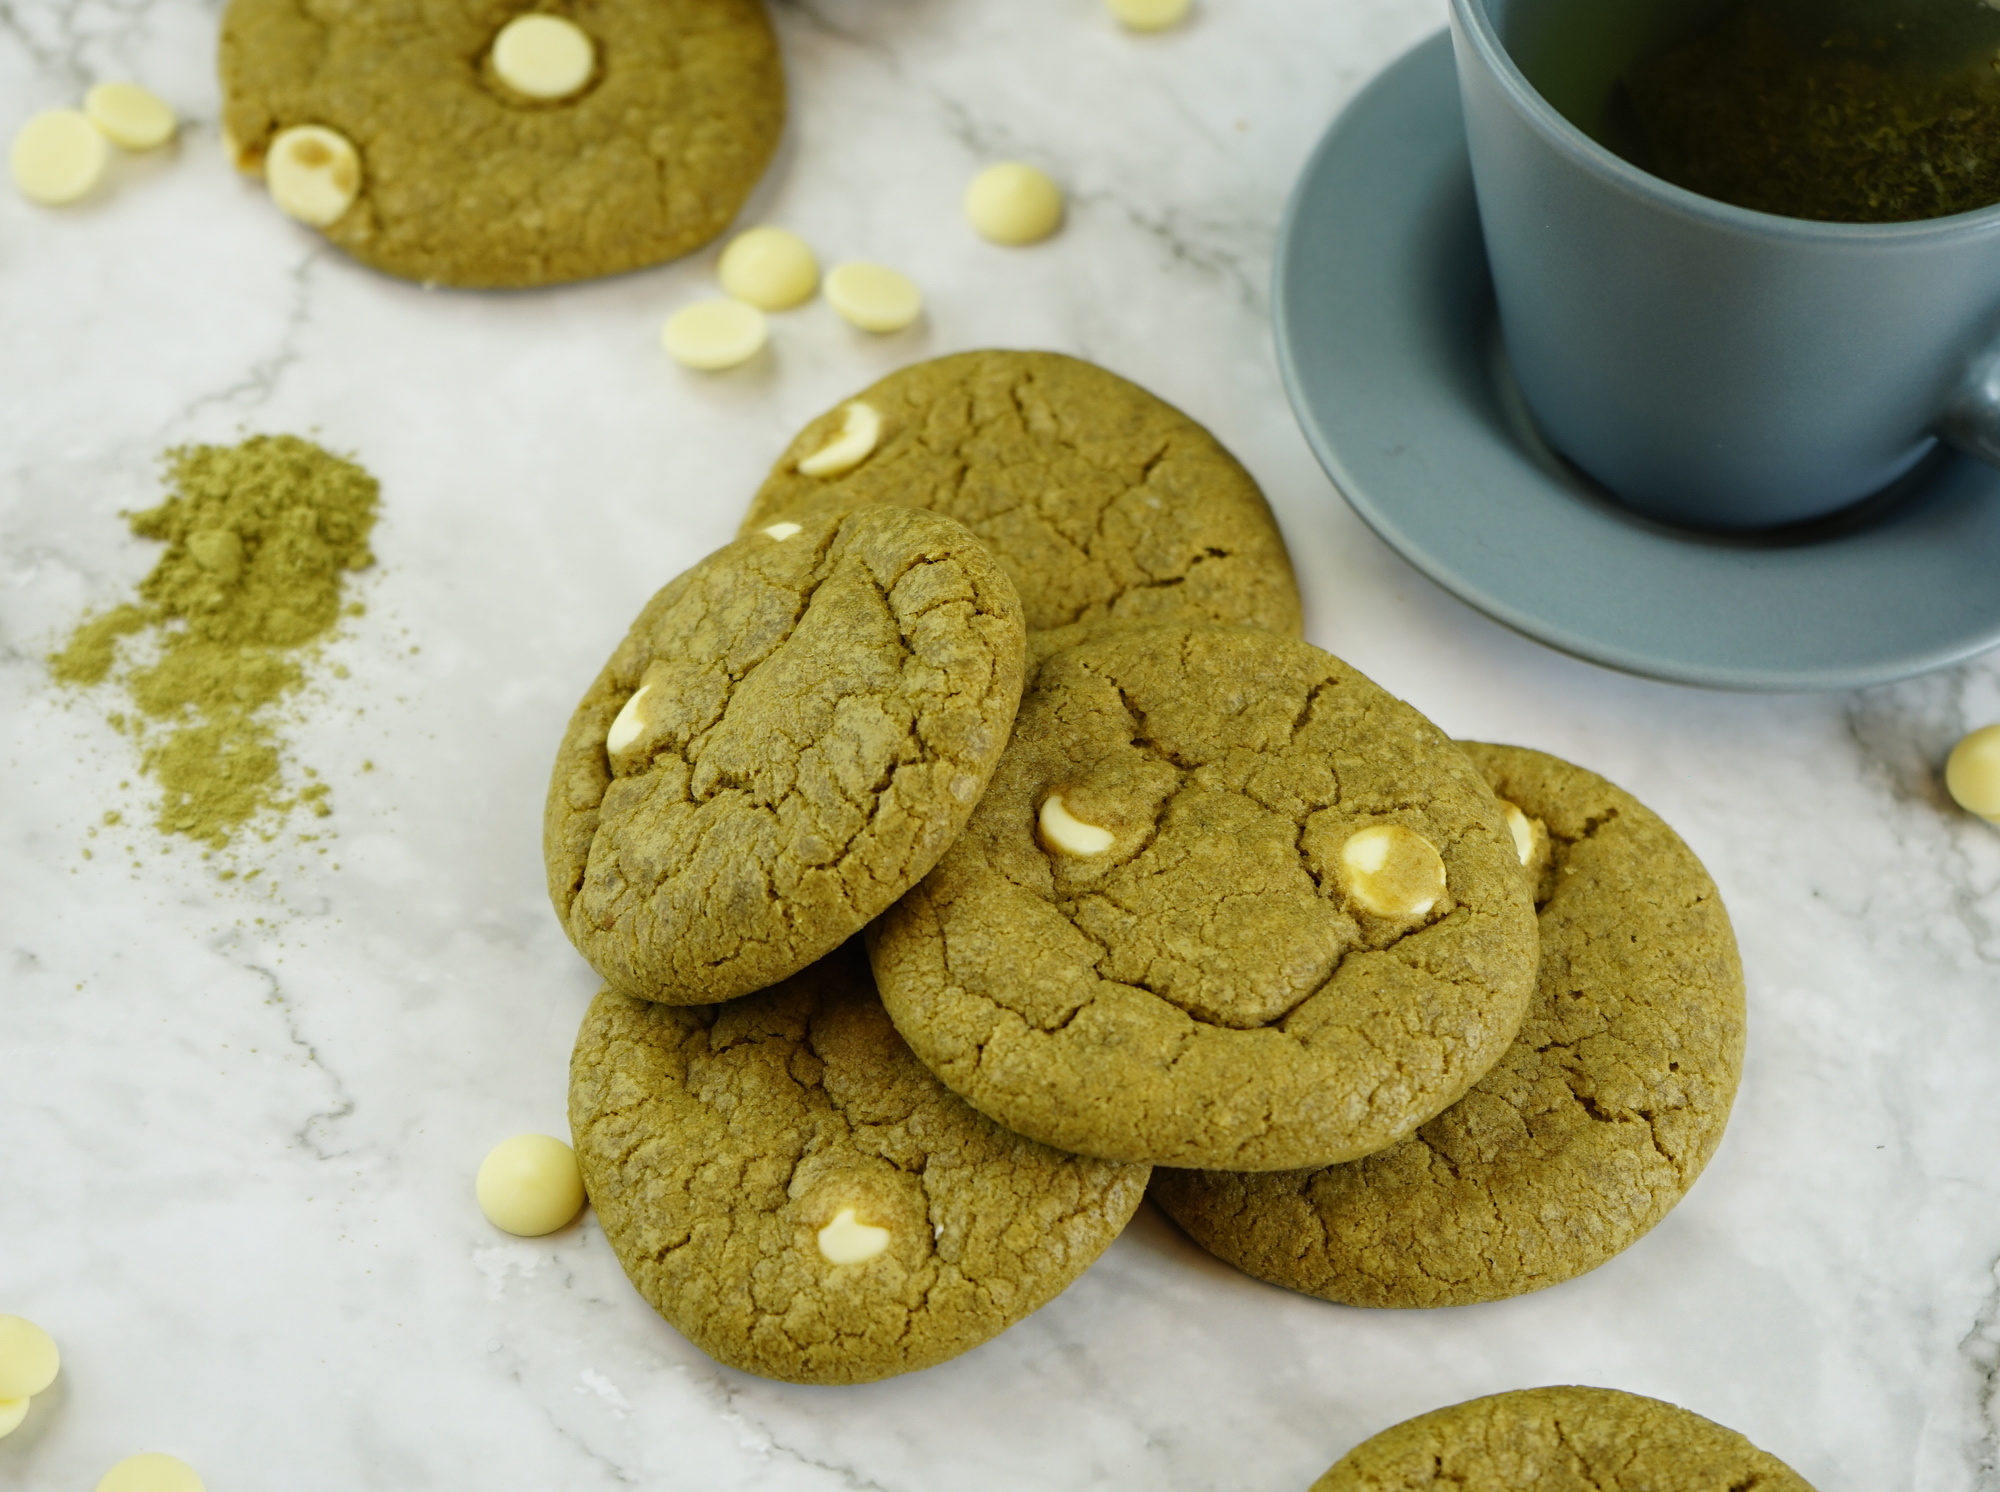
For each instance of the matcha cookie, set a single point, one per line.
(791, 1189)
(1589, 1130)
(787, 739)
(1559, 1440)
(460, 179)
(1104, 503)
(1226, 903)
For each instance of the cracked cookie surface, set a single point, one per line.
(1560, 1440)
(787, 739)
(465, 183)
(1203, 989)
(1104, 503)
(1583, 1136)
(718, 1143)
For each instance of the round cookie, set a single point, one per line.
(1559, 1440)
(790, 735)
(464, 182)
(1176, 962)
(1104, 503)
(791, 1189)
(1582, 1137)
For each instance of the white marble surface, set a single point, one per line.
(238, 1126)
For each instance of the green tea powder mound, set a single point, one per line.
(260, 538)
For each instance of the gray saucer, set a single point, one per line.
(1391, 353)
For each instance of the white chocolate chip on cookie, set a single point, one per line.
(314, 174)
(1390, 871)
(543, 57)
(1065, 832)
(58, 156)
(1013, 204)
(129, 115)
(846, 1241)
(781, 531)
(873, 297)
(1522, 831)
(860, 429)
(770, 268)
(1972, 774)
(631, 721)
(714, 334)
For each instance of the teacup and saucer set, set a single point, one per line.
(1790, 413)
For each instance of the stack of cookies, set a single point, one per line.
(976, 834)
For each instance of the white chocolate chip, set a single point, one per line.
(845, 1241)
(314, 174)
(1013, 204)
(1522, 831)
(29, 1360)
(151, 1472)
(130, 115)
(860, 428)
(714, 334)
(58, 156)
(780, 531)
(1064, 831)
(873, 297)
(770, 268)
(631, 721)
(530, 1185)
(12, 1412)
(543, 57)
(1149, 15)
(1391, 871)
(1972, 774)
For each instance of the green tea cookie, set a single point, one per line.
(1559, 1440)
(462, 179)
(791, 1189)
(1226, 903)
(787, 739)
(1589, 1130)
(1103, 503)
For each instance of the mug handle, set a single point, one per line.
(1971, 422)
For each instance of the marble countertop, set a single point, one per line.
(238, 1122)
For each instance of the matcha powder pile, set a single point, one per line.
(260, 538)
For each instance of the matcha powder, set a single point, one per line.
(260, 538)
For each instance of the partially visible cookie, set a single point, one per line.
(1582, 1137)
(464, 181)
(791, 1189)
(1104, 503)
(1559, 1440)
(790, 735)
(1226, 903)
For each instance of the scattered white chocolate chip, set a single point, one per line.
(770, 268)
(543, 57)
(58, 156)
(29, 1360)
(873, 297)
(781, 531)
(1149, 15)
(1972, 774)
(845, 1241)
(1391, 871)
(714, 334)
(860, 428)
(630, 724)
(12, 1412)
(530, 1185)
(1521, 829)
(314, 174)
(1064, 831)
(129, 115)
(1013, 204)
(151, 1472)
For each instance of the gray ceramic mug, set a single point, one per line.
(1710, 365)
